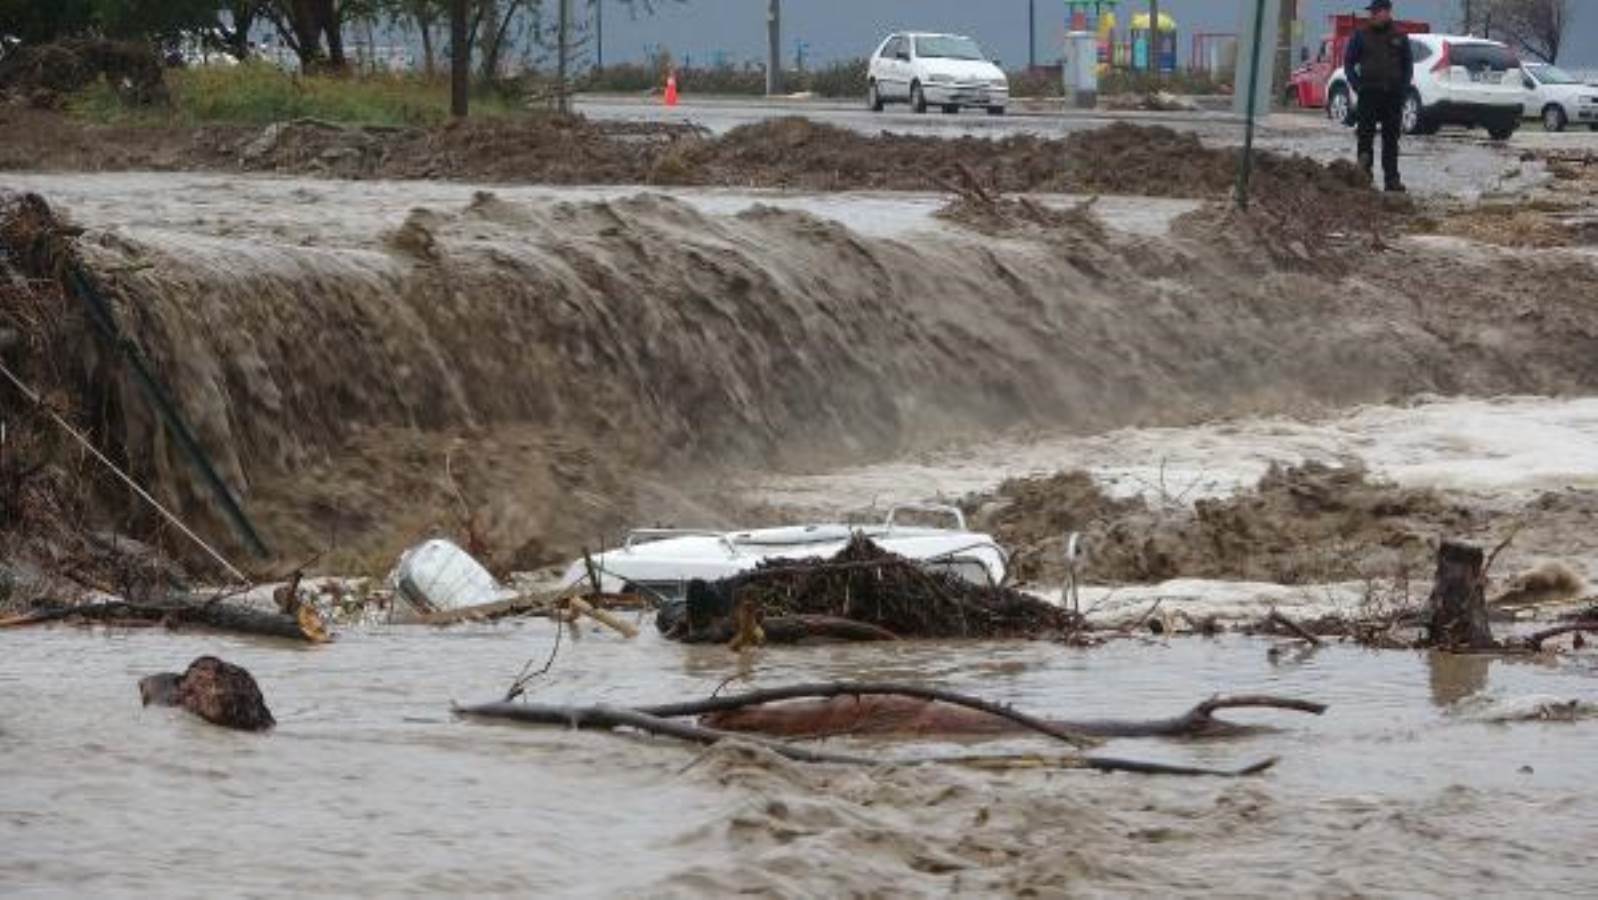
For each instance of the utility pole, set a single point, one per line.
(599, 34)
(562, 65)
(773, 48)
(460, 60)
(1032, 34)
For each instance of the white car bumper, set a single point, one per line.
(966, 95)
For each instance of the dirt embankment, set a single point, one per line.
(785, 153)
(545, 370)
(1304, 525)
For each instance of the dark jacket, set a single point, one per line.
(1381, 59)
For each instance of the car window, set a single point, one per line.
(942, 46)
(894, 48)
(1484, 57)
(1552, 75)
(1420, 51)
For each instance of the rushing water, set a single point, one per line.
(369, 785)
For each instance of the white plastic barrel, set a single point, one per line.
(439, 575)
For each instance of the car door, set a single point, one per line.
(1530, 106)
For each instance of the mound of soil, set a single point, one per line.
(1308, 524)
(794, 153)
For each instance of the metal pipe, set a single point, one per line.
(1245, 171)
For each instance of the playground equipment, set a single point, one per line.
(1139, 47)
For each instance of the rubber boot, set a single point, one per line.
(1395, 185)
(1367, 164)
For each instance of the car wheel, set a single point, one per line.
(999, 111)
(1340, 106)
(918, 98)
(1414, 116)
(1501, 132)
(873, 98)
(1554, 118)
(950, 109)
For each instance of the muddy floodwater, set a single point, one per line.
(368, 785)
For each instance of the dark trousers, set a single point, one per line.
(1386, 108)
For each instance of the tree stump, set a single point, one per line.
(1456, 613)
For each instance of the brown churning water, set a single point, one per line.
(1410, 783)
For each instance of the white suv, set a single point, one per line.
(1459, 80)
(1558, 99)
(946, 70)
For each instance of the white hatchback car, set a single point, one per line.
(944, 70)
(1558, 99)
(1459, 80)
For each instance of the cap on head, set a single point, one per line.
(1380, 5)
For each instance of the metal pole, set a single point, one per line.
(774, 48)
(1031, 34)
(460, 71)
(563, 45)
(599, 34)
(1245, 171)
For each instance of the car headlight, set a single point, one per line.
(940, 79)
(999, 83)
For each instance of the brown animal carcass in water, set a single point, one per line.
(218, 692)
(838, 716)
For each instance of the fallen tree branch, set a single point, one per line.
(218, 616)
(864, 689)
(608, 718)
(1535, 641)
(620, 626)
(1298, 630)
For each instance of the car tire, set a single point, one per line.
(1502, 131)
(1593, 126)
(1340, 106)
(950, 109)
(918, 98)
(1554, 118)
(873, 98)
(999, 111)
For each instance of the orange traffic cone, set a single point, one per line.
(671, 89)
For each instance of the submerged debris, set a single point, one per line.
(867, 586)
(218, 692)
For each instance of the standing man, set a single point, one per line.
(1380, 68)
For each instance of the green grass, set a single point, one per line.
(259, 93)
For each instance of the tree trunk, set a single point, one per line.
(424, 24)
(1456, 614)
(306, 32)
(332, 25)
(460, 69)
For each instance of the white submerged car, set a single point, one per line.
(944, 70)
(661, 562)
(1558, 99)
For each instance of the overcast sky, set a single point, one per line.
(835, 29)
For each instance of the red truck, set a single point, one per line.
(1306, 87)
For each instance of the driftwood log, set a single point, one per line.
(609, 718)
(1456, 613)
(304, 626)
